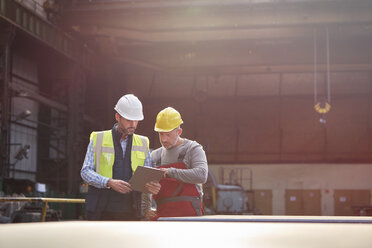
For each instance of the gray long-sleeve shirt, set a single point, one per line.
(195, 160)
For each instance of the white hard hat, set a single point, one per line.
(129, 107)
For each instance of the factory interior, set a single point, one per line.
(278, 93)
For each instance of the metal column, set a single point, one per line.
(6, 38)
(75, 151)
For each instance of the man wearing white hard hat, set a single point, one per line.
(111, 159)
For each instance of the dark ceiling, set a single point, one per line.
(225, 37)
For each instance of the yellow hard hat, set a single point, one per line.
(167, 120)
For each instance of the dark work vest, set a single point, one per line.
(99, 200)
(122, 170)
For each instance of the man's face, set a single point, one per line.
(169, 139)
(125, 126)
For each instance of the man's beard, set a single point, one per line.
(126, 131)
(171, 145)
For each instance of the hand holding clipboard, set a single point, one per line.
(144, 175)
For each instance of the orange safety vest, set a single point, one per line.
(177, 198)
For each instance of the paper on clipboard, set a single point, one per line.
(143, 175)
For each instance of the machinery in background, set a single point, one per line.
(32, 212)
(31, 207)
(229, 197)
(25, 211)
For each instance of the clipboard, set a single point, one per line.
(143, 175)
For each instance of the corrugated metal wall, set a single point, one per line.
(263, 117)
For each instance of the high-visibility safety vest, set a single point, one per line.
(177, 198)
(104, 152)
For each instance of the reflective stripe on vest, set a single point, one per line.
(140, 149)
(104, 152)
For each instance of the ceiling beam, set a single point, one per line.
(130, 6)
(245, 69)
(287, 68)
(127, 35)
(277, 14)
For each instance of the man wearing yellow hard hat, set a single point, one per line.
(186, 169)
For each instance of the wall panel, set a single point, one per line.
(138, 84)
(346, 199)
(302, 202)
(258, 85)
(350, 83)
(263, 200)
(296, 84)
(259, 130)
(348, 127)
(302, 132)
(270, 116)
(171, 86)
(222, 85)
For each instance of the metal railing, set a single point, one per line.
(44, 200)
(34, 5)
